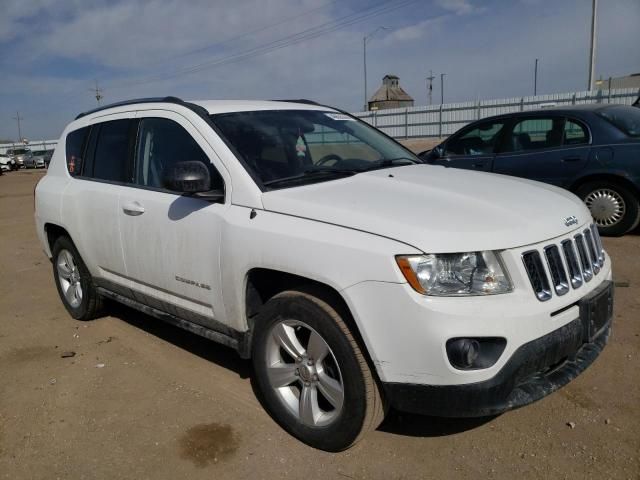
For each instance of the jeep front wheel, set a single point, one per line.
(314, 379)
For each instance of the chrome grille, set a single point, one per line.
(574, 261)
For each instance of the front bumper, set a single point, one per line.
(535, 370)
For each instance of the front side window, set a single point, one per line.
(161, 144)
(111, 151)
(536, 134)
(292, 147)
(480, 140)
(75, 145)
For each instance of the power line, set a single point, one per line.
(284, 42)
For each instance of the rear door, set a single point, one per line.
(98, 164)
(550, 149)
(473, 148)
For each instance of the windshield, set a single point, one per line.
(625, 118)
(286, 148)
(19, 151)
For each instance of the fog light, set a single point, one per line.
(474, 353)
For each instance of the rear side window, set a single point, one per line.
(625, 118)
(112, 151)
(535, 134)
(75, 150)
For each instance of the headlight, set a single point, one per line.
(455, 274)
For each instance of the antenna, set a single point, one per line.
(430, 87)
(18, 119)
(98, 92)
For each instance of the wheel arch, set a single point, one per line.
(53, 232)
(609, 177)
(263, 284)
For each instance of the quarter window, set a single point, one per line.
(112, 148)
(75, 150)
(536, 134)
(161, 144)
(478, 141)
(575, 133)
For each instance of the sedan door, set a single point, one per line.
(549, 149)
(473, 147)
(171, 242)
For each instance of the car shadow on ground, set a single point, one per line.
(206, 349)
(412, 425)
(397, 423)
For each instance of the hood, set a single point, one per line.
(437, 209)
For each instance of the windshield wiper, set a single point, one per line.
(312, 174)
(391, 162)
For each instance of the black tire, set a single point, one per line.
(362, 409)
(91, 304)
(631, 216)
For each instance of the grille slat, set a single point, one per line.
(556, 269)
(538, 277)
(587, 273)
(599, 247)
(592, 249)
(583, 259)
(571, 258)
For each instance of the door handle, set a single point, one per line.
(571, 159)
(133, 208)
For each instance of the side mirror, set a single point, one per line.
(191, 178)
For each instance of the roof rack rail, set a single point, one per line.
(300, 100)
(132, 102)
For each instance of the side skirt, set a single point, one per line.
(239, 341)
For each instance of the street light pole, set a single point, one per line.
(365, 39)
(442, 88)
(535, 79)
(592, 53)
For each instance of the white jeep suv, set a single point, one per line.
(355, 277)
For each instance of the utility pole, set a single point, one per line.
(430, 88)
(442, 88)
(18, 119)
(365, 39)
(98, 92)
(592, 53)
(535, 79)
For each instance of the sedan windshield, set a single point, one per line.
(284, 148)
(625, 118)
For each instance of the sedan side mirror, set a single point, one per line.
(191, 178)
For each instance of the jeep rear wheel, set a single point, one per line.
(313, 377)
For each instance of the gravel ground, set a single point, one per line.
(140, 399)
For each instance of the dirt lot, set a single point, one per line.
(141, 399)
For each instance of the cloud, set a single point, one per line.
(459, 7)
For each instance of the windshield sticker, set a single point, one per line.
(340, 116)
(301, 147)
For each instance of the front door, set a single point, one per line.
(171, 243)
(473, 147)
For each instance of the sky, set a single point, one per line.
(52, 52)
